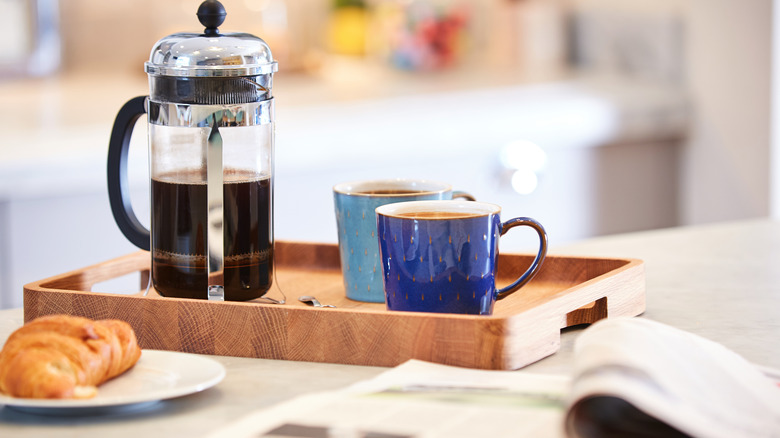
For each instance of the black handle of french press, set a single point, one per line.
(118, 185)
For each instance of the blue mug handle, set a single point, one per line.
(461, 194)
(535, 265)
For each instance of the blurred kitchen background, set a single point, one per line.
(594, 116)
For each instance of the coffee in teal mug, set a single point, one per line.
(355, 203)
(440, 256)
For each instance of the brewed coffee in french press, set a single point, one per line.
(211, 156)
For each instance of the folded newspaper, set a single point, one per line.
(632, 377)
(643, 378)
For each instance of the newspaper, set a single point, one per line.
(632, 377)
(667, 380)
(420, 399)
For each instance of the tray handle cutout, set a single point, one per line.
(588, 313)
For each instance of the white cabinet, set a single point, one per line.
(46, 236)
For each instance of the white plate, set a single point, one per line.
(158, 375)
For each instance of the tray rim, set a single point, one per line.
(39, 286)
(499, 341)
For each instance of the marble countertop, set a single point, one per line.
(719, 281)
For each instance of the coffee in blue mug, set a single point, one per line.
(355, 203)
(440, 256)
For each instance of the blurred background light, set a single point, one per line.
(524, 181)
(525, 159)
(523, 154)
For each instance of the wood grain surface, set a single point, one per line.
(524, 327)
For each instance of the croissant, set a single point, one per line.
(62, 356)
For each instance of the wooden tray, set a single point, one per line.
(524, 328)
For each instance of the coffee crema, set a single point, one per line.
(438, 215)
(391, 192)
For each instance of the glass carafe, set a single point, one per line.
(211, 145)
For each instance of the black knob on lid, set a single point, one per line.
(211, 14)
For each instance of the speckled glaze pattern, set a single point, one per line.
(440, 265)
(358, 246)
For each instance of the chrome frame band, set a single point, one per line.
(215, 234)
(200, 116)
(211, 70)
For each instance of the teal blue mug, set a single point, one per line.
(441, 256)
(355, 203)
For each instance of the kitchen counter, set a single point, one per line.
(719, 281)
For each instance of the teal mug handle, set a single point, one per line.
(461, 194)
(538, 260)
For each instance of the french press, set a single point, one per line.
(211, 144)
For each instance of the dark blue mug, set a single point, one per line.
(440, 256)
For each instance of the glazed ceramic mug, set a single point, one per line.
(355, 203)
(440, 256)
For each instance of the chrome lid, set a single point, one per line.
(210, 54)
